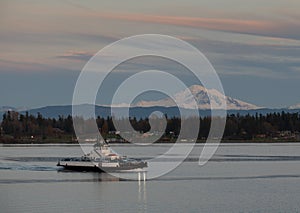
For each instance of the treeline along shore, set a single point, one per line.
(272, 127)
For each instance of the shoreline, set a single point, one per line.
(55, 143)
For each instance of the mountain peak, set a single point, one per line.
(205, 99)
(196, 88)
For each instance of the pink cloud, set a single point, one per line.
(225, 24)
(76, 55)
(278, 28)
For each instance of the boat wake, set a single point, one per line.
(13, 166)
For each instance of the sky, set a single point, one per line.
(254, 46)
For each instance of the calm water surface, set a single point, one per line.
(239, 178)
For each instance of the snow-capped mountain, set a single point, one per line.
(295, 106)
(200, 94)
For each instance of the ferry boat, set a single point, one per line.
(101, 159)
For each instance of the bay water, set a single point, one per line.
(241, 177)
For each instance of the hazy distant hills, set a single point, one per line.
(139, 112)
(142, 112)
(10, 108)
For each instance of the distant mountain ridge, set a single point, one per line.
(141, 112)
(7, 108)
(10, 108)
